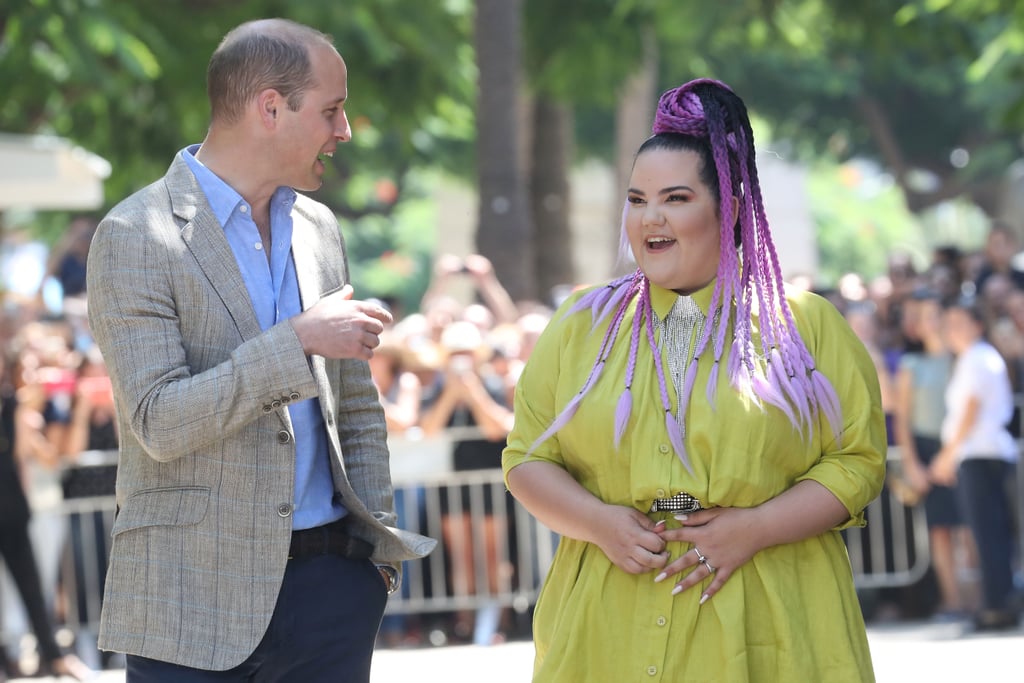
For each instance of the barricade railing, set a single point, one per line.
(491, 552)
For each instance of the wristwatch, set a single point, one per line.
(390, 576)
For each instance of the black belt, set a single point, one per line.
(329, 539)
(679, 503)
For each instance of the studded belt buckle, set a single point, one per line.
(679, 503)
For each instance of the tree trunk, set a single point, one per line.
(503, 231)
(549, 196)
(633, 121)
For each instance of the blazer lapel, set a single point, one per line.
(204, 236)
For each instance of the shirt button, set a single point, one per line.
(243, 208)
(258, 246)
(284, 509)
(660, 493)
(663, 448)
(283, 436)
(652, 671)
(662, 621)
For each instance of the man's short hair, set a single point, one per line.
(255, 56)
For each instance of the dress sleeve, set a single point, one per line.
(851, 466)
(535, 403)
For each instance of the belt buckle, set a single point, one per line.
(679, 503)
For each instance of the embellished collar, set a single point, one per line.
(663, 299)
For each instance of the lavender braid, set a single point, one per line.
(782, 372)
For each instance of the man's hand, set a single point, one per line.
(339, 327)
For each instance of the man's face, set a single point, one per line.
(312, 133)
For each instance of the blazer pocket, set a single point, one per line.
(178, 506)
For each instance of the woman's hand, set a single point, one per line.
(943, 468)
(917, 476)
(726, 537)
(630, 539)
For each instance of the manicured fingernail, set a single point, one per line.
(660, 577)
(660, 523)
(682, 518)
(704, 598)
(677, 590)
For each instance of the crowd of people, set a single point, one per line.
(943, 340)
(456, 361)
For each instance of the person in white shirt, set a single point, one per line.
(979, 453)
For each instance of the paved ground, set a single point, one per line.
(902, 653)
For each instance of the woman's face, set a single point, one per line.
(961, 329)
(672, 220)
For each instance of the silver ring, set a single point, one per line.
(700, 556)
(711, 570)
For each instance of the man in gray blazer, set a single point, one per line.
(254, 538)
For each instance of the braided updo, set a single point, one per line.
(707, 117)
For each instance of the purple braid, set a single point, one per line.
(705, 114)
(624, 406)
(675, 436)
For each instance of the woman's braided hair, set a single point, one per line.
(706, 117)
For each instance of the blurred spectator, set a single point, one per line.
(919, 411)
(440, 305)
(1001, 245)
(16, 547)
(400, 389)
(400, 395)
(467, 393)
(979, 455)
(67, 260)
(864, 323)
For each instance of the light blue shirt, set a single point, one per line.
(274, 291)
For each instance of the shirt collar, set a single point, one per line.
(224, 200)
(663, 299)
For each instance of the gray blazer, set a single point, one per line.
(207, 459)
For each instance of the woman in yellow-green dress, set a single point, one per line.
(699, 435)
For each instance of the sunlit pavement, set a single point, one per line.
(902, 652)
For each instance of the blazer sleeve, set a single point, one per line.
(182, 372)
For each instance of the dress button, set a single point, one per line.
(652, 671)
(663, 448)
(662, 621)
(294, 396)
(284, 509)
(660, 493)
(283, 436)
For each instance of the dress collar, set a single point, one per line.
(663, 299)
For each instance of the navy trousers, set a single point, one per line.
(322, 631)
(983, 485)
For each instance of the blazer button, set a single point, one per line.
(284, 509)
(275, 404)
(283, 436)
(294, 396)
(267, 408)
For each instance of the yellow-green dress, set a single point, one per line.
(791, 613)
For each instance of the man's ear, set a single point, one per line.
(269, 104)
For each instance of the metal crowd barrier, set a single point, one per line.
(508, 550)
